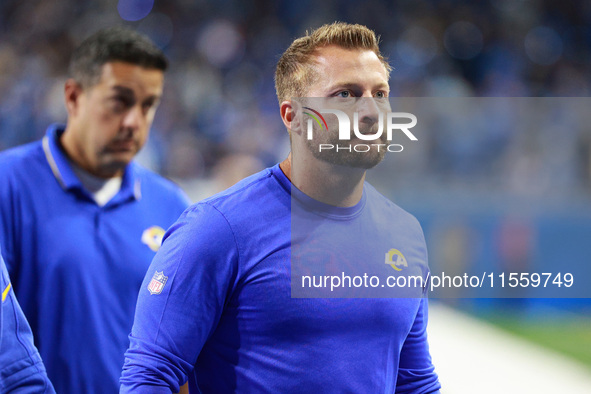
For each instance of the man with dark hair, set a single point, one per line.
(114, 44)
(216, 305)
(80, 221)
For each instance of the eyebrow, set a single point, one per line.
(353, 86)
(123, 90)
(129, 92)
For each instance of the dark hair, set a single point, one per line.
(111, 45)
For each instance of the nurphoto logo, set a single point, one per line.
(391, 124)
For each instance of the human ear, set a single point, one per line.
(289, 115)
(72, 92)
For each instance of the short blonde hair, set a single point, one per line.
(294, 74)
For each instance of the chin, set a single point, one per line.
(366, 160)
(114, 167)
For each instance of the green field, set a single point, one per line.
(565, 333)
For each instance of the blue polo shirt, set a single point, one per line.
(77, 266)
(20, 364)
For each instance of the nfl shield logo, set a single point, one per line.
(157, 283)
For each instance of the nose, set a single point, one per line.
(368, 110)
(133, 118)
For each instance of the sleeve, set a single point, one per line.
(8, 217)
(21, 368)
(180, 301)
(416, 373)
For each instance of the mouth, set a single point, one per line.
(122, 146)
(382, 138)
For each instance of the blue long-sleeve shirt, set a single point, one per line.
(216, 306)
(21, 368)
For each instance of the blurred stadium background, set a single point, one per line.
(497, 199)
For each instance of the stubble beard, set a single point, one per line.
(342, 157)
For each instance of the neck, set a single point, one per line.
(328, 183)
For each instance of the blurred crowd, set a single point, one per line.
(219, 120)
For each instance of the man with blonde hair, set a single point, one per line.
(224, 316)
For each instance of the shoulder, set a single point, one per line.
(254, 195)
(16, 158)
(225, 230)
(258, 201)
(22, 168)
(250, 184)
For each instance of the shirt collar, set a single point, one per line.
(60, 166)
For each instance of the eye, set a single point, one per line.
(146, 106)
(120, 103)
(344, 94)
(381, 94)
